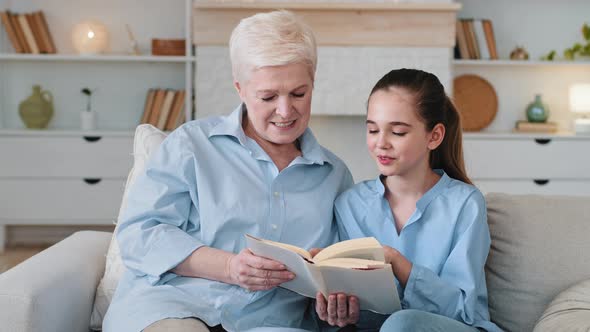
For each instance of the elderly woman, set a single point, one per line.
(257, 171)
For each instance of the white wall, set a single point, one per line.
(344, 78)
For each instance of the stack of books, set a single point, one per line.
(475, 39)
(535, 127)
(28, 33)
(164, 108)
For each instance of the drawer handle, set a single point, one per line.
(92, 181)
(543, 141)
(541, 182)
(92, 139)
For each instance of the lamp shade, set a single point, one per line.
(90, 37)
(580, 98)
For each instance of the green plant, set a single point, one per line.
(577, 49)
(88, 93)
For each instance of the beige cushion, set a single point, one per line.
(569, 311)
(540, 246)
(146, 140)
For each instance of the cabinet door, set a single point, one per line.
(88, 156)
(527, 158)
(61, 199)
(538, 186)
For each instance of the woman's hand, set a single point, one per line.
(339, 309)
(256, 273)
(399, 264)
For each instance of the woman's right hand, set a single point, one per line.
(256, 273)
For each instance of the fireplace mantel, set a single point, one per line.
(360, 23)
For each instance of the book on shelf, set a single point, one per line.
(166, 107)
(19, 33)
(461, 41)
(355, 267)
(29, 37)
(44, 30)
(471, 39)
(490, 39)
(475, 39)
(11, 32)
(35, 31)
(157, 107)
(163, 108)
(147, 107)
(176, 117)
(28, 33)
(480, 37)
(535, 127)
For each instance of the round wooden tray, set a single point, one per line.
(476, 101)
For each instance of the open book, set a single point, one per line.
(355, 267)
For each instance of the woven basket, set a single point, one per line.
(476, 101)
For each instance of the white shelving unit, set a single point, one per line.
(63, 175)
(516, 63)
(517, 82)
(499, 160)
(121, 80)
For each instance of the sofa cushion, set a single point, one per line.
(146, 140)
(536, 249)
(569, 311)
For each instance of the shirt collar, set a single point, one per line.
(231, 125)
(428, 196)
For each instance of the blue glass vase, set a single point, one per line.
(537, 111)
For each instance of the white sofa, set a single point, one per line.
(540, 248)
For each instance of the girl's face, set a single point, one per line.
(278, 100)
(397, 138)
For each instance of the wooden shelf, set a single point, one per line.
(516, 63)
(66, 132)
(325, 5)
(499, 135)
(95, 58)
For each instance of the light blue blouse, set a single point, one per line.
(207, 185)
(447, 240)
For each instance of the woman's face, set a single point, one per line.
(278, 99)
(396, 138)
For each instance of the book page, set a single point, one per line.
(302, 252)
(375, 288)
(353, 263)
(308, 278)
(365, 248)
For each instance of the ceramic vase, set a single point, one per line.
(537, 111)
(37, 110)
(88, 120)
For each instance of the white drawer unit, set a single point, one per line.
(529, 164)
(80, 156)
(61, 200)
(62, 177)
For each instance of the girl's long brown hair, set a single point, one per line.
(433, 107)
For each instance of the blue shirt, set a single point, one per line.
(208, 184)
(447, 240)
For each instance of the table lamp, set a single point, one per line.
(580, 103)
(90, 37)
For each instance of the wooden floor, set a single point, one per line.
(14, 255)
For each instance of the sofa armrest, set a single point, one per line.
(54, 290)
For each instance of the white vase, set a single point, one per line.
(88, 120)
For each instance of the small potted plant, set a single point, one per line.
(88, 116)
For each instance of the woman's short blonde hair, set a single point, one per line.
(271, 39)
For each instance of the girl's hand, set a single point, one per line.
(256, 273)
(399, 264)
(339, 309)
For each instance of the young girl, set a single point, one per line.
(423, 208)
